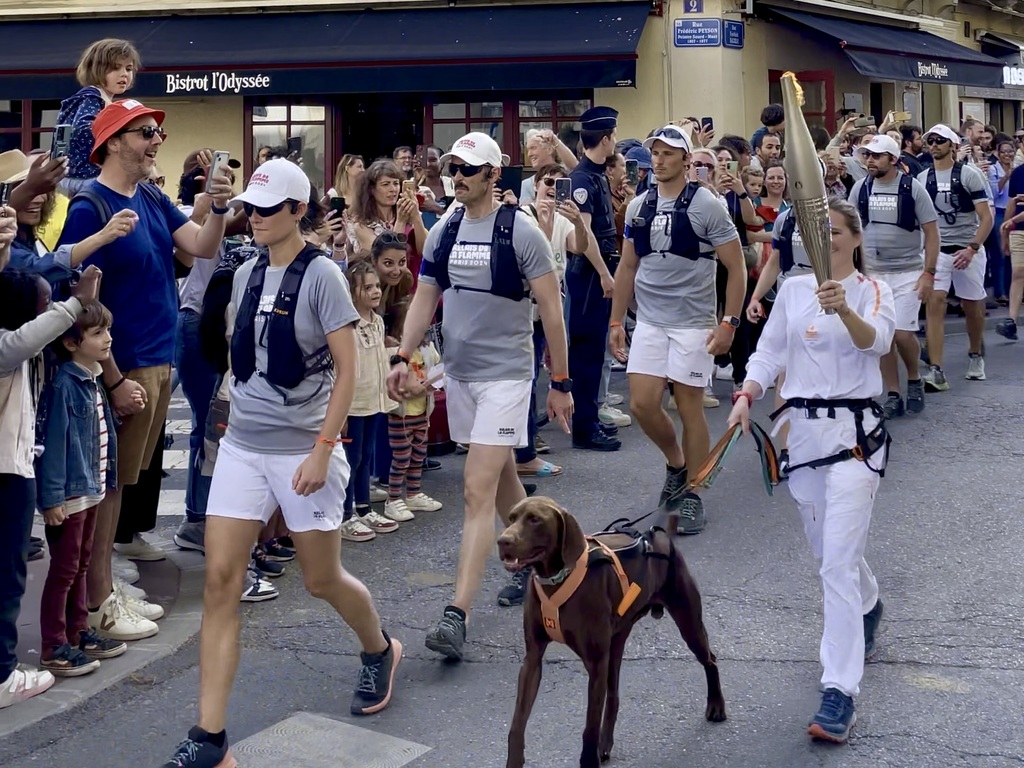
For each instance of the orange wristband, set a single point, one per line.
(326, 441)
(614, 324)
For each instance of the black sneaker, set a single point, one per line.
(835, 718)
(692, 518)
(915, 396)
(599, 441)
(672, 491)
(609, 429)
(1007, 328)
(530, 488)
(893, 406)
(376, 678)
(198, 752)
(514, 592)
(450, 634)
(277, 552)
(266, 566)
(431, 464)
(871, 621)
(66, 661)
(96, 647)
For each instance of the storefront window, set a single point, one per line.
(27, 125)
(819, 96)
(292, 127)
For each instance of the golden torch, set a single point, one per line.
(806, 182)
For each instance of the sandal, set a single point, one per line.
(547, 469)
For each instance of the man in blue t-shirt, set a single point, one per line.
(139, 289)
(1013, 244)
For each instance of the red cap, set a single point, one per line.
(116, 116)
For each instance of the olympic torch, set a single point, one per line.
(806, 182)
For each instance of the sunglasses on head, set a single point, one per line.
(147, 131)
(268, 211)
(669, 133)
(932, 140)
(388, 239)
(465, 169)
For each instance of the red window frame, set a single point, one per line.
(27, 131)
(828, 78)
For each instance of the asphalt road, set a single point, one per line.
(946, 688)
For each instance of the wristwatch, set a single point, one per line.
(399, 358)
(562, 384)
(974, 247)
(221, 211)
(730, 321)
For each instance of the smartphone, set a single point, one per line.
(707, 123)
(864, 122)
(833, 152)
(901, 117)
(563, 190)
(294, 146)
(61, 141)
(702, 174)
(421, 155)
(409, 187)
(633, 172)
(732, 166)
(338, 204)
(5, 193)
(220, 157)
(511, 179)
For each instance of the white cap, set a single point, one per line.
(477, 149)
(274, 182)
(672, 135)
(945, 132)
(880, 144)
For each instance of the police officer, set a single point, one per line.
(589, 279)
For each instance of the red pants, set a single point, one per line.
(64, 612)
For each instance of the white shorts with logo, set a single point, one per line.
(904, 293)
(969, 283)
(488, 412)
(678, 354)
(250, 486)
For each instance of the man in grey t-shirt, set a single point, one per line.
(961, 196)
(488, 355)
(897, 213)
(669, 261)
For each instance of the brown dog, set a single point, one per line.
(595, 621)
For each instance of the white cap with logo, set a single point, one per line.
(477, 149)
(945, 132)
(672, 135)
(880, 144)
(274, 182)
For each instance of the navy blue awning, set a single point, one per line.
(589, 45)
(894, 53)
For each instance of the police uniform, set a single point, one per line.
(589, 311)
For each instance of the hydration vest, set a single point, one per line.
(287, 366)
(906, 216)
(960, 200)
(506, 279)
(685, 242)
(736, 211)
(786, 233)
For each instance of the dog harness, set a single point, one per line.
(550, 606)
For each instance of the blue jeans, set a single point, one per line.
(362, 435)
(998, 263)
(199, 382)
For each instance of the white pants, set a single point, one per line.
(835, 503)
(969, 283)
(677, 354)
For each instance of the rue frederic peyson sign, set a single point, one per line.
(215, 82)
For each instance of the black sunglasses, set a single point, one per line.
(699, 164)
(266, 212)
(932, 140)
(465, 169)
(550, 182)
(389, 239)
(670, 133)
(147, 131)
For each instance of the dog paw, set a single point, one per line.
(715, 711)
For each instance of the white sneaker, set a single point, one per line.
(140, 549)
(420, 502)
(114, 621)
(258, 590)
(976, 368)
(614, 399)
(140, 608)
(611, 415)
(723, 372)
(136, 593)
(124, 569)
(377, 494)
(710, 401)
(398, 511)
(354, 530)
(24, 683)
(376, 522)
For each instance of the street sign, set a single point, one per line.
(698, 33)
(693, 6)
(732, 34)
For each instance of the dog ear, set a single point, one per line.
(573, 540)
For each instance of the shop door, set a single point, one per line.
(373, 125)
(819, 95)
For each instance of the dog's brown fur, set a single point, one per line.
(546, 536)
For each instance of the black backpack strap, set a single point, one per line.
(862, 201)
(101, 206)
(930, 184)
(443, 250)
(506, 277)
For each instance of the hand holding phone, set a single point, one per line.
(220, 159)
(563, 190)
(633, 172)
(61, 141)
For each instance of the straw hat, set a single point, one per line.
(14, 166)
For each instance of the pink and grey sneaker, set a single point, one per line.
(24, 683)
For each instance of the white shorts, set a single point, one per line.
(250, 486)
(969, 283)
(904, 293)
(488, 412)
(677, 354)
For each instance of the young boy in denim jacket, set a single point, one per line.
(78, 465)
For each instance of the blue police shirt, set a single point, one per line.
(593, 195)
(138, 284)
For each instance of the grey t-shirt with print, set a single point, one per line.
(801, 261)
(887, 247)
(673, 291)
(487, 337)
(260, 419)
(964, 226)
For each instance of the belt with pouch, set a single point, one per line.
(578, 262)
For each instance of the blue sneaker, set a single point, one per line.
(835, 719)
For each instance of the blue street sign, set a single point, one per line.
(693, 6)
(698, 33)
(732, 35)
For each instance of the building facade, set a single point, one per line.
(365, 76)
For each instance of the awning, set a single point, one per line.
(893, 53)
(532, 47)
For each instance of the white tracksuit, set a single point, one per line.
(821, 362)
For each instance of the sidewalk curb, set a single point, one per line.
(180, 624)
